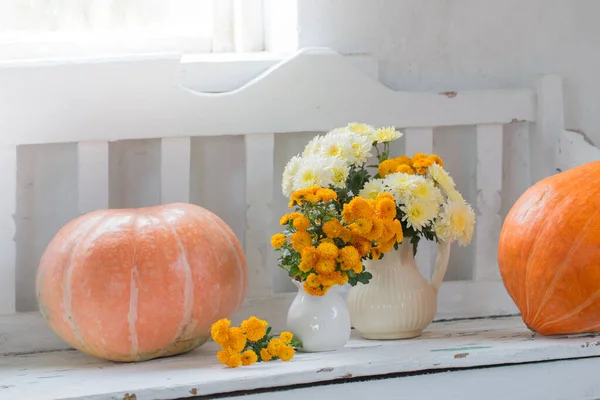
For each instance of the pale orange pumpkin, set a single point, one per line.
(549, 252)
(137, 284)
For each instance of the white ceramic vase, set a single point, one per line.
(322, 323)
(398, 303)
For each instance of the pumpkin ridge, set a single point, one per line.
(536, 242)
(574, 311)
(239, 261)
(67, 283)
(559, 272)
(133, 292)
(189, 284)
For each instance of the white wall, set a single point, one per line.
(470, 44)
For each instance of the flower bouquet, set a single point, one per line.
(350, 208)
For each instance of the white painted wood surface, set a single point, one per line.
(8, 208)
(92, 180)
(175, 170)
(73, 375)
(572, 380)
(489, 187)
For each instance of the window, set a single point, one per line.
(66, 28)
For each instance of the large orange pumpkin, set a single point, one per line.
(549, 252)
(137, 284)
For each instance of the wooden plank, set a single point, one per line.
(447, 345)
(550, 123)
(8, 207)
(420, 140)
(93, 181)
(515, 382)
(308, 92)
(248, 26)
(175, 170)
(489, 187)
(259, 199)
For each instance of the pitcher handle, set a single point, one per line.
(441, 264)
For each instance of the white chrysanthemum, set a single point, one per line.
(455, 195)
(289, 172)
(312, 172)
(339, 171)
(442, 230)
(313, 147)
(399, 184)
(372, 189)
(417, 214)
(337, 145)
(424, 189)
(457, 222)
(386, 134)
(362, 129)
(360, 149)
(441, 177)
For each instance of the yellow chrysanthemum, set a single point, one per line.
(318, 291)
(301, 223)
(418, 156)
(362, 245)
(349, 257)
(388, 230)
(376, 231)
(358, 268)
(357, 208)
(237, 339)
(278, 240)
(325, 265)
(249, 357)
(274, 345)
(284, 220)
(219, 331)
(387, 246)
(265, 355)
(375, 253)
(286, 337)
(404, 160)
(286, 353)
(387, 134)
(421, 165)
(326, 195)
(229, 357)
(309, 256)
(362, 226)
(346, 235)
(254, 328)
(300, 240)
(436, 159)
(327, 251)
(333, 228)
(387, 167)
(405, 169)
(304, 267)
(385, 208)
(313, 281)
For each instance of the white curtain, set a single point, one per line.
(47, 28)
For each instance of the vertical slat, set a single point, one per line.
(259, 200)
(420, 140)
(8, 205)
(549, 125)
(223, 26)
(93, 181)
(489, 188)
(249, 26)
(175, 170)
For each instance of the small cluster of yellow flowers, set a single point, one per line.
(373, 224)
(418, 164)
(250, 342)
(312, 194)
